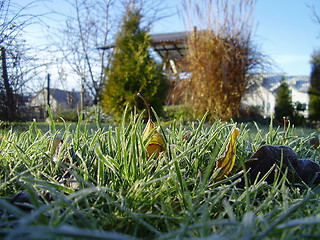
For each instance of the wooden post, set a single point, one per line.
(48, 89)
(48, 92)
(12, 111)
(82, 95)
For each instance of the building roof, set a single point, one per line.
(272, 82)
(167, 45)
(170, 45)
(300, 83)
(64, 96)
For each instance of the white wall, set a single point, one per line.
(263, 98)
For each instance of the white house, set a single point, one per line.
(261, 97)
(263, 93)
(299, 86)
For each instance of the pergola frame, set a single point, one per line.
(170, 47)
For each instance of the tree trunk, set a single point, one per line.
(10, 99)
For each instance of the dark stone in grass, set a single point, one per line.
(21, 197)
(283, 158)
(309, 171)
(22, 200)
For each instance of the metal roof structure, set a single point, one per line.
(170, 45)
(166, 45)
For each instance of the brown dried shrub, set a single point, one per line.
(219, 59)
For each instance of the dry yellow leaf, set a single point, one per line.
(226, 162)
(156, 142)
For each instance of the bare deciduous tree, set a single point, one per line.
(315, 13)
(18, 66)
(86, 29)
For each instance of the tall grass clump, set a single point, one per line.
(100, 184)
(220, 55)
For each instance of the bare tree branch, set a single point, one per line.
(88, 28)
(21, 65)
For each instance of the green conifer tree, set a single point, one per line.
(284, 107)
(314, 90)
(133, 70)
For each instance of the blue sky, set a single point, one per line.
(283, 30)
(287, 33)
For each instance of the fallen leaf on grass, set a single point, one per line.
(226, 162)
(156, 144)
